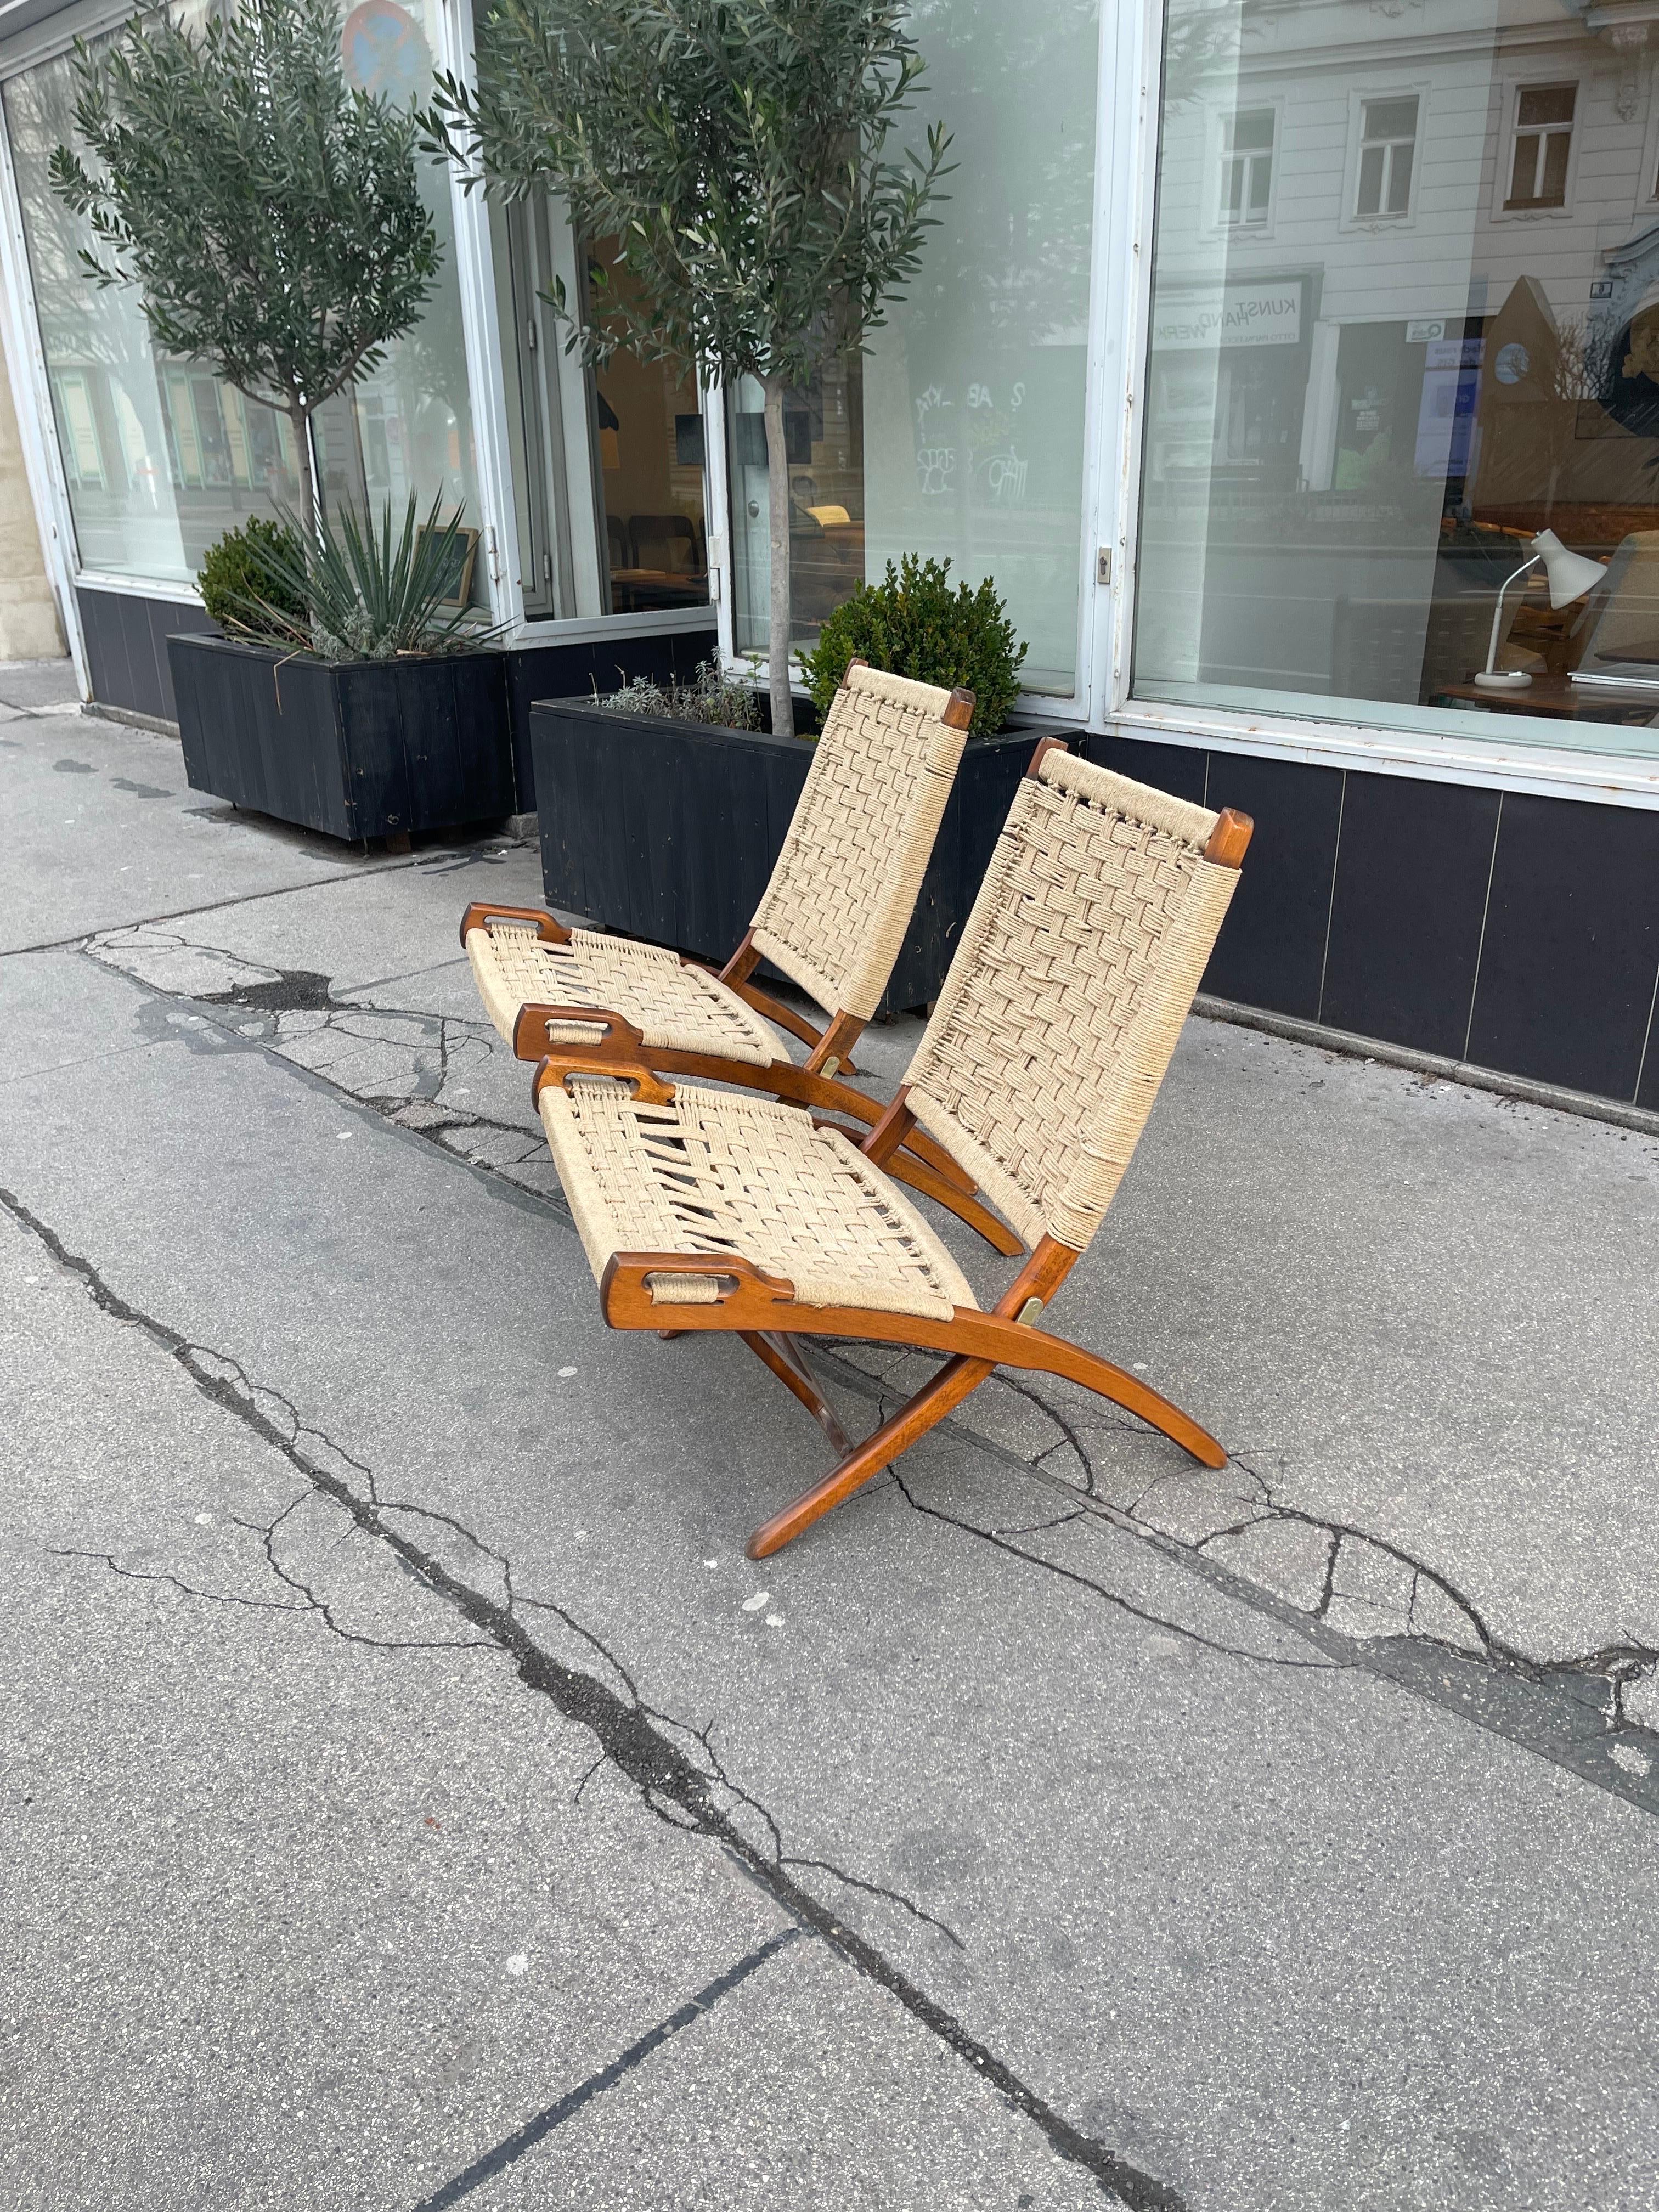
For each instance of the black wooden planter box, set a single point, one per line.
(354, 748)
(668, 830)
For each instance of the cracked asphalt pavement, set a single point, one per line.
(410, 1796)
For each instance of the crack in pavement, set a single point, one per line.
(632, 1737)
(1572, 1712)
(1002, 1540)
(396, 1061)
(279, 1410)
(1278, 1558)
(513, 2147)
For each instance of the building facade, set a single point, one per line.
(29, 613)
(1257, 341)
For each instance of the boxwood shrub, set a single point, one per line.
(912, 624)
(240, 570)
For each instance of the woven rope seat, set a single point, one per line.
(832, 918)
(721, 1173)
(676, 1008)
(1036, 1076)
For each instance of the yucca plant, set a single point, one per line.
(371, 596)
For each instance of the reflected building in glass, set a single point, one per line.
(1291, 368)
(1400, 324)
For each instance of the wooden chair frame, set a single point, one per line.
(619, 1047)
(762, 1311)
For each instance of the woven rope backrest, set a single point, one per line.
(841, 897)
(1068, 993)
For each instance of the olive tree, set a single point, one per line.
(736, 150)
(268, 212)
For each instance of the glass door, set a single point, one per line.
(649, 434)
(607, 465)
(550, 577)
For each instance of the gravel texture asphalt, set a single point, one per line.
(410, 1796)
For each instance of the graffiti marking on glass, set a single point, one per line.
(936, 463)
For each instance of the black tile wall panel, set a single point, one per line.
(106, 647)
(126, 636)
(1571, 951)
(92, 638)
(161, 620)
(1412, 871)
(1177, 769)
(143, 669)
(1271, 951)
(170, 618)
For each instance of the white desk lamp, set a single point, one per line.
(1571, 576)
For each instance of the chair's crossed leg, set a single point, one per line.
(936, 1398)
(784, 1355)
(761, 1309)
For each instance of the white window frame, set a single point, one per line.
(1504, 167)
(480, 338)
(717, 522)
(1126, 172)
(1358, 100)
(26, 356)
(1221, 159)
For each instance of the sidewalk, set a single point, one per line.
(1061, 1825)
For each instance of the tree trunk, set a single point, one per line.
(305, 454)
(777, 504)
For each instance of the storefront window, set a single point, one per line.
(410, 420)
(650, 467)
(960, 432)
(160, 456)
(824, 440)
(1427, 333)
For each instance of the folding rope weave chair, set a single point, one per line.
(1036, 1074)
(833, 919)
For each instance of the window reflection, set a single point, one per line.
(1247, 166)
(649, 439)
(824, 440)
(160, 456)
(958, 435)
(1543, 142)
(1431, 333)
